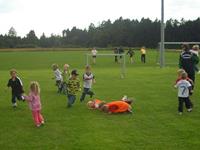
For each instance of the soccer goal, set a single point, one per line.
(121, 58)
(172, 52)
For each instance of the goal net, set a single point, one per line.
(107, 60)
(172, 52)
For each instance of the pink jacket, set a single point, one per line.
(34, 101)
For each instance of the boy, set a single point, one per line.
(143, 54)
(73, 87)
(65, 75)
(116, 107)
(17, 87)
(88, 79)
(183, 93)
(58, 77)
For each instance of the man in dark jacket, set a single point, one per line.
(188, 61)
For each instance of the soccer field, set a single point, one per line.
(155, 123)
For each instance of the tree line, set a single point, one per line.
(121, 32)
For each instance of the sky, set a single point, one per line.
(52, 16)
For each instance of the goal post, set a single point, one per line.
(165, 57)
(122, 63)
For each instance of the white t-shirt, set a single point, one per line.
(88, 78)
(194, 52)
(94, 52)
(58, 75)
(183, 88)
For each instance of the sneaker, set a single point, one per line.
(180, 113)
(42, 123)
(189, 110)
(38, 125)
(124, 98)
(14, 105)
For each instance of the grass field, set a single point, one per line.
(154, 124)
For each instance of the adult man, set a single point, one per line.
(188, 61)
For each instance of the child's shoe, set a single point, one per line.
(14, 105)
(38, 125)
(189, 110)
(180, 113)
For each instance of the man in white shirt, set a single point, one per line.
(183, 93)
(94, 54)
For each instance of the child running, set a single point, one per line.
(88, 79)
(16, 85)
(58, 77)
(73, 87)
(34, 103)
(65, 75)
(183, 93)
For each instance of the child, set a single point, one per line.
(65, 75)
(116, 107)
(35, 104)
(143, 54)
(73, 87)
(130, 53)
(88, 79)
(58, 77)
(183, 93)
(17, 87)
(94, 55)
(195, 50)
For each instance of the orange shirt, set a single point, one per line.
(118, 106)
(97, 102)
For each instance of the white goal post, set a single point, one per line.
(122, 63)
(158, 59)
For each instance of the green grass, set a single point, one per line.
(154, 124)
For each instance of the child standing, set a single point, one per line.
(195, 50)
(143, 54)
(17, 87)
(65, 75)
(58, 77)
(183, 93)
(94, 55)
(34, 103)
(88, 79)
(73, 87)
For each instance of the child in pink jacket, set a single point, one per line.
(34, 103)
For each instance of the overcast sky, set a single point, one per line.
(52, 16)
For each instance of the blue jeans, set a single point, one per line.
(71, 99)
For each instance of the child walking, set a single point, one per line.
(16, 85)
(34, 103)
(88, 80)
(58, 77)
(131, 53)
(73, 87)
(183, 93)
(65, 75)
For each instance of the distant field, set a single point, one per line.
(154, 125)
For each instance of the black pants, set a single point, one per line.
(116, 59)
(59, 85)
(86, 91)
(143, 58)
(183, 100)
(191, 76)
(15, 97)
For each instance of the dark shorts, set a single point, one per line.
(94, 56)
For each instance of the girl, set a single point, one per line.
(35, 104)
(66, 76)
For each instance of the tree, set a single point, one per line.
(12, 32)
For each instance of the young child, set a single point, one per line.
(130, 53)
(88, 79)
(183, 93)
(73, 87)
(17, 87)
(34, 103)
(116, 107)
(65, 75)
(58, 77)
(195, 50)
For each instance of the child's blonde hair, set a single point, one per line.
(54, 66)
(35, 87)
(184, 75)
(13, 70)
(180, 71)
(195, 47)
